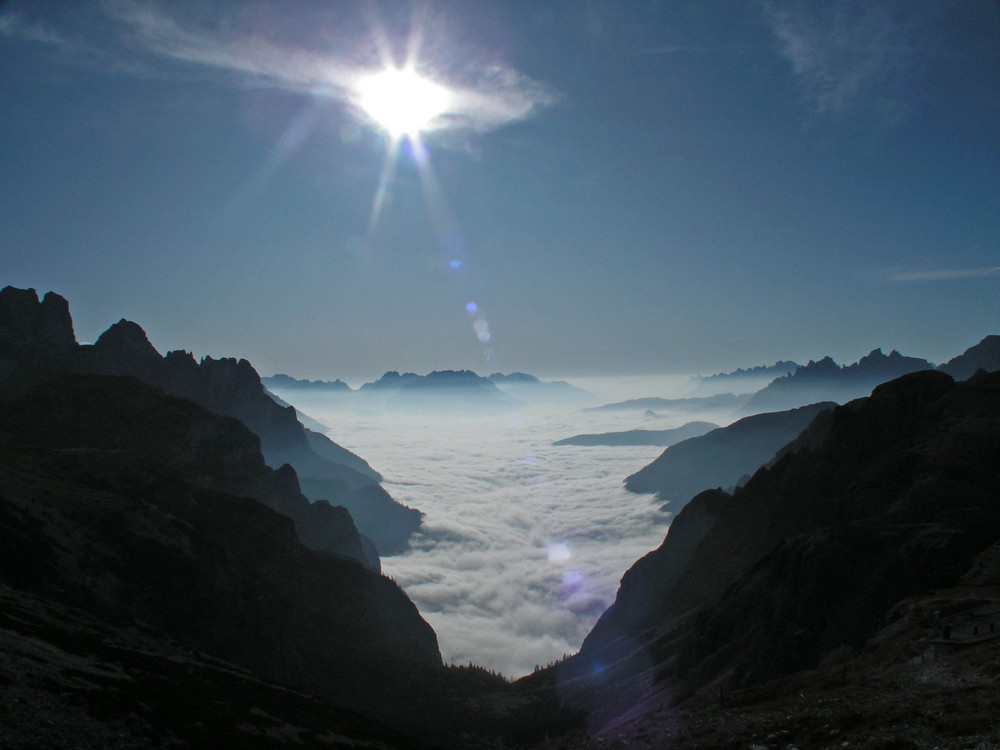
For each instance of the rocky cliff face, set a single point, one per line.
(895, 500)
(37, 342)
(142, 510)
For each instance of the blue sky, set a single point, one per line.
(617, 187)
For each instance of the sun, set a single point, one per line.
(402, 102)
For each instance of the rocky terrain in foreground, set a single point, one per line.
(848, 593)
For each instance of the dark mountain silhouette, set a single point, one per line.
(286, 382)
(37, 343)
(151, 596)
(983, 356)
(696, 403)
(642, 437)
(121, 415)
(855, 558)
(825, 380)
(722, 457)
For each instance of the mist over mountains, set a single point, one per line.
(169, 576)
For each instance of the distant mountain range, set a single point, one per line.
(826, 380)
(777, 370)
(444, 389)
(287, 382)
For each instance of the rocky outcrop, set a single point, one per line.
(825, 380)
(722, 457)
(36, 338)
(895, 499)
(37, 343)
(983, 356)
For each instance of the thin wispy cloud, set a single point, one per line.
(489, 97)
(844, 55)
(15, 25)
(912, 277)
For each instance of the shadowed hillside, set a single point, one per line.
(37, 343)
(722, 457)
(878, 544)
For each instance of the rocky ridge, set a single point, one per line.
(37, 343)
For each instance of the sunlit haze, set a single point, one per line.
(330, 189)
(401, 101)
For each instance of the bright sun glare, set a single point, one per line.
(402, 102)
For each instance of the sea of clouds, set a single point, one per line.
(523, 543)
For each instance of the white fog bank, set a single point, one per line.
(523, 543)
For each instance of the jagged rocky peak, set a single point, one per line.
(24, 321)
(126, 346)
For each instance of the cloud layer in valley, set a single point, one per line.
(523, 542)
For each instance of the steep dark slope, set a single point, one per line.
(140, 507)
(896, 500)
(721, 457)
(146, 586)
(124, 415)
(37, 343)
(983, 356)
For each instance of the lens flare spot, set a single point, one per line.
(482, 329)
(571, 580)
(472, 307)
(558, 551)
(455, 265)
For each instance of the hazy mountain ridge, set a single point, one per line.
(825, 380)
(777, 370)
(694, 403)
(37, 343)
(529, 388)
(280, 380)
(642, 437)
(721, 457)
(835, 553)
